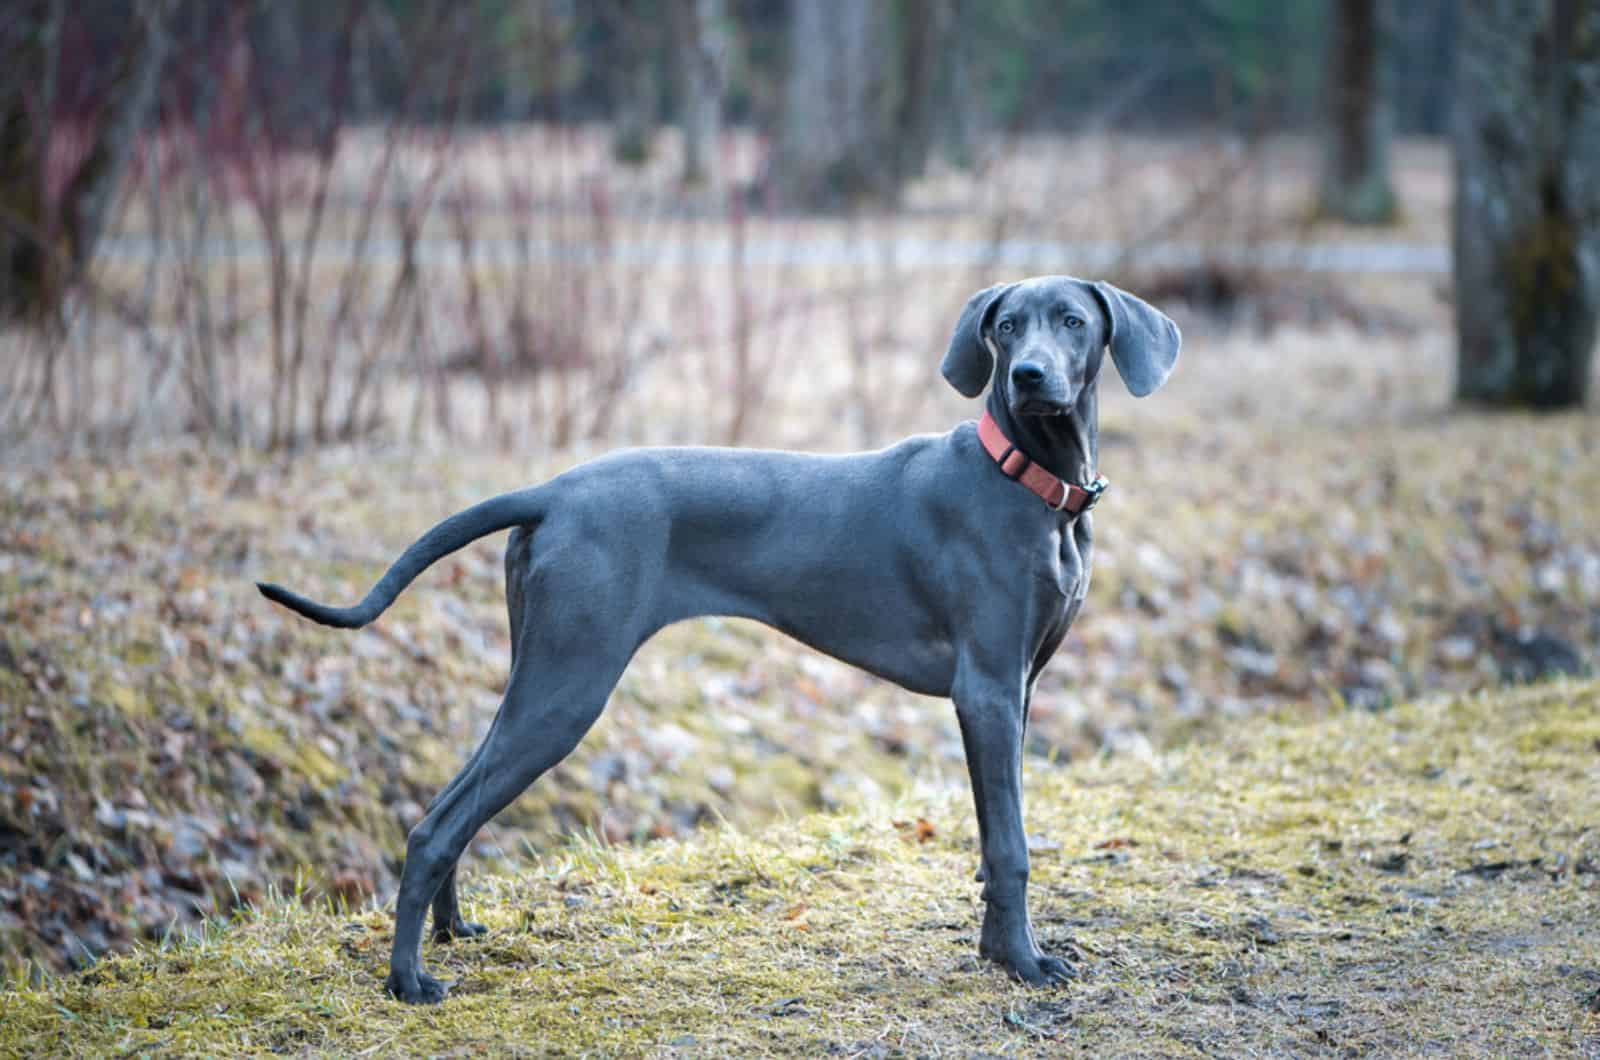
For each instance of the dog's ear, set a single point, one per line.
(1144, 341)
(968, 362)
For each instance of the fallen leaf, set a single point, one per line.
(1116, 843)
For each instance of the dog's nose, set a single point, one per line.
(1026, 374)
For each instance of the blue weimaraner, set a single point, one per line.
(949, 564)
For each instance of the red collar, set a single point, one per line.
(1059, 494)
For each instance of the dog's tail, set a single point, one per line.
(458, 531)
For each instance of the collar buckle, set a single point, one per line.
(1093, 492)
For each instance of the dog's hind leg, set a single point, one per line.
(557, 689)
(448, 923)
(535, 731)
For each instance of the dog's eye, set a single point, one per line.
(1074, 322)
(1007, 327)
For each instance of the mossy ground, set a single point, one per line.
(1419, 880)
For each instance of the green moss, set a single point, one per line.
(300, 756)
(130, 701)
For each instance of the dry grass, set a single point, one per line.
(1420, 881)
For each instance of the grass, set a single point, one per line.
(1422, 880)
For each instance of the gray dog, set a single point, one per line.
(949, 564)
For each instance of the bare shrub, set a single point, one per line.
(290, 264)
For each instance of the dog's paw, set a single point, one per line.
(460, 929)
(1034, 968)
(418, 989)
(1053, 971)
(1040, 970)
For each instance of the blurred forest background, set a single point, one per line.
(291, 223)
(284, 282)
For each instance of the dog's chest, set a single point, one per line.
(1069, 573)
(1061, 591)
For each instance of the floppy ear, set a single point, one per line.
(968, 362)
(1144, 341)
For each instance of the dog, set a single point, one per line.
(949, 564)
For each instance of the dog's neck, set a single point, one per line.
(1067, 446)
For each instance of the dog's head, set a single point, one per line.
(1042, 340)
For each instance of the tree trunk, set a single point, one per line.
(1355, 173)
(924, 39)
(1527, 201)
(702, 52)
(833, 148)
(33, 255)
(43, 251)
(631, 70)
(960, 118)
(132, 93)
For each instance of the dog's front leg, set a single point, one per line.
(991, 717)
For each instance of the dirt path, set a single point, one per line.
(906, 252)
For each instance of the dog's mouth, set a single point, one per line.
(1039, 407)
